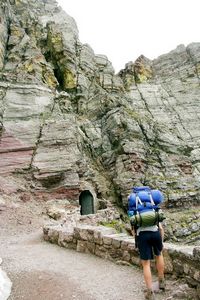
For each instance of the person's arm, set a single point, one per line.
(134, 233)
(160, 227)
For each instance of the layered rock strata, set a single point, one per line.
(68, 123)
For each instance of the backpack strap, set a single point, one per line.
(156, 210)
(138, 201)
(151, 198)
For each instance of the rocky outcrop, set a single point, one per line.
(68, 123)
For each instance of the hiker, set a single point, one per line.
(149, 241)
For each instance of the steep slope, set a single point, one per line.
(68, 123)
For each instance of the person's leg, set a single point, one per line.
(147, 273)
(157, 244)
(149, 294)
(146, 255)
(160, 265)
(160, 269)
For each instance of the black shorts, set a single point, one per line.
(149, 244)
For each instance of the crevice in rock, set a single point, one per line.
(96, 164)
(194, 63)
(8, 22)
(153, 147)
(176, 113)
(143, 99)
(39, 137)
(4, 91)
(60, 60)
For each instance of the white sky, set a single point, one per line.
(124, 29)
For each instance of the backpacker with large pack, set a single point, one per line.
(143, 207)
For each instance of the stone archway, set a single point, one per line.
(86, 201)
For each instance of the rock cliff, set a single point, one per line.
(68, 123)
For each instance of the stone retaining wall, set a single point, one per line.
(181, 261)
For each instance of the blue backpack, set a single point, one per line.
(143, 207)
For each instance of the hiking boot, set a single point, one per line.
(149, 295)
(162, 284)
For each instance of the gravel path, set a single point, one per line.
(43, 271)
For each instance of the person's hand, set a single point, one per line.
(133, 232)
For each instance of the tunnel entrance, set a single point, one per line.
(86, 201)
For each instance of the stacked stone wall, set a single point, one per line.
(180, 261)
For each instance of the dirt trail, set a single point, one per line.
(42, 271)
